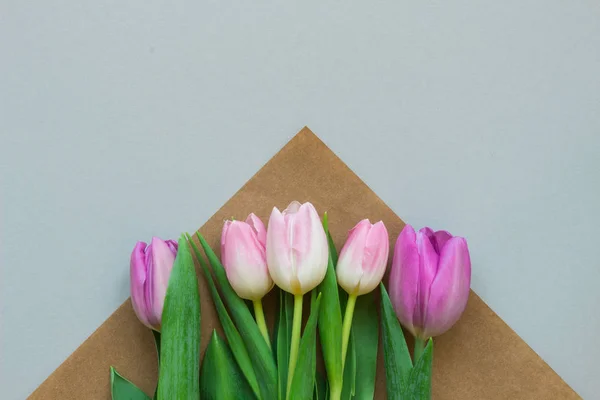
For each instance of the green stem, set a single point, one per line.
(419, 347)
(346, 326)
(260, 320)
(296, 326)
(335, 393)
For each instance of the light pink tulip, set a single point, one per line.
(430, 280)
(363, 258)
(150, 268)
(243, 256)
(297, 249)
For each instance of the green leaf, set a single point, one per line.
(284, 339)
(238, 347)
(330, 318)
(365, 330)
(180, 335)
(258, 350)
(349, 384)
(330, 326)
(321, 388)
(332, 250)
(303, 382)
(398, 364)
(220, 376)
(122, 389)
(156, 336)
(419, 381)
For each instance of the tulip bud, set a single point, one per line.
(150, 268)
(297, 249)
(430, 280)
(363, 258)
(244, 259)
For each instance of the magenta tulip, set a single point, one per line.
(297, 250)
(243, 256)
(150, 268)
(430, 280)
(363, 258)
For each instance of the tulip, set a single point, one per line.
(363, 258)
(297, 252)
(243, 256)
(297, 257)
(150, 268)
(360, 267)
(429, 281)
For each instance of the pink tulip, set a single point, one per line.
(150, 268)
(363, 258)
(430, 280)
(297, 250)
(243, 256)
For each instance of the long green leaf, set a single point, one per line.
(330, 318)
(349, 384)
(180, 335)
(332, 250)
(397, 358)
(284, 339)
(156, 335)
(233, 336)
(321, 388)
(261, 355)
(303, 382)
(330, 326)
(122, 389)
(365, 329)
(220, 376)
(419, 382)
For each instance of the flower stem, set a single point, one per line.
(296, 326)
(260, 320)
(335, 393)
(346, 326)
(419, 347)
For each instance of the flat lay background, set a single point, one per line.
(123, 120)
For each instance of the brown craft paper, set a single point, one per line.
(479, 358)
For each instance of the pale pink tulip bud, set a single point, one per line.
(243, 256)
(150, 269)
(363, 258)
(430, 280)
(297, 249)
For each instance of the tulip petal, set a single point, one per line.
(375, 257)
(159, 270)
(247, 269)
(224, 242)
(259, 228)
(441, 237)
(173, 245)
(404, 277)
(292, 208)
(438, 239)
(427, 231)
(310, 250)
(450, 288)
(428, 267)
(278, 251)
(350, 262)
(377, 248)
(137, 281)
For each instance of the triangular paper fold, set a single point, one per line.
(479, 358)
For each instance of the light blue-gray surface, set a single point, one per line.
(120, 120)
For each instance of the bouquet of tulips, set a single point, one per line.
(428, 290)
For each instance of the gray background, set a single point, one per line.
(479, 117)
